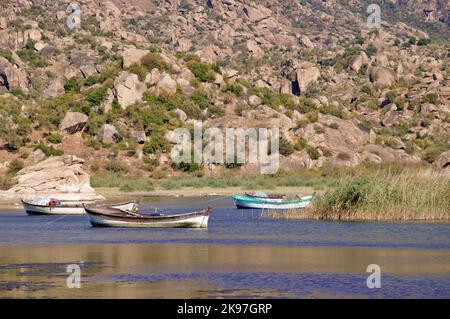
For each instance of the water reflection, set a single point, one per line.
(200, 271)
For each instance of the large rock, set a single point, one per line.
(378, 154)
(132, 55)
(356, 62)
(108, 134)
(256, 14)
(166, 85)
(444, 161)
(128, 89)
(305, 41)
(341, 138)
(307, 75)
(382, 76)
(62, 177)
(73, 122)
(12, 76)
(55, 88)
(255, 51)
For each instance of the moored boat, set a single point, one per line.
(259, 203)
(103, 216)
(264, 196)
(55, 207)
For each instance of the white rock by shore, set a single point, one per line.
(62, 177)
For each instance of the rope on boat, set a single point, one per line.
(182, 206)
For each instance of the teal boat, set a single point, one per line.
(247, 202)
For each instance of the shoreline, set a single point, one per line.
(112, 194)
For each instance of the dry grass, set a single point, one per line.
(389, 193)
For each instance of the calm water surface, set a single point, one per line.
(240, 255)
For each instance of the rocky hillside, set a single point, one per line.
(112, 90)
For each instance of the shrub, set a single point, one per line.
(286, 147)
(319, 129)
(423, 41)
(97, 96)
(29, 55)
(313, 152)
(202, 71)
(48, 150)
(301, 144)
(334, 126)
(117, 166)
(391, 96)
(139, 70)
(215, 111)
(14, 167)
(7, 55)
(235, 88)
(157, 143)
(72, 85)
(153, 60)
(55, 138)
(312, 117)
(431, 98)
(201, 99)
(187, 167)
(371, 50)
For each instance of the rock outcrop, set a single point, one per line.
(128, 89)
(73, 122)
(62, 177)
(108, 134)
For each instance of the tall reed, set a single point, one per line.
(389, 193)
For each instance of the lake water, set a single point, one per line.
(239, 255)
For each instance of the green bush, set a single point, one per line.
(48, 150)
(301, 144)
(431, 98)
(153, 60)
(313, 152)
(7, 55)
(215, 111)
(139, 70)
(97, 96)
(55, 138)
(29, 55)
(157, 143)
(72, 85)
(201, 99)
(14, 167)
(286, 147)
(202, 71)
(117, 166)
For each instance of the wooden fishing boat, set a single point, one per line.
(262, 195)
(246, 202)
(103, 216)
(58, 208)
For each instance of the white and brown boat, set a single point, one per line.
(104, 216)
(56, 207)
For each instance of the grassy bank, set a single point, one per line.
(390, 193)
(318, 179)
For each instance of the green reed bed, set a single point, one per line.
(390, 193)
